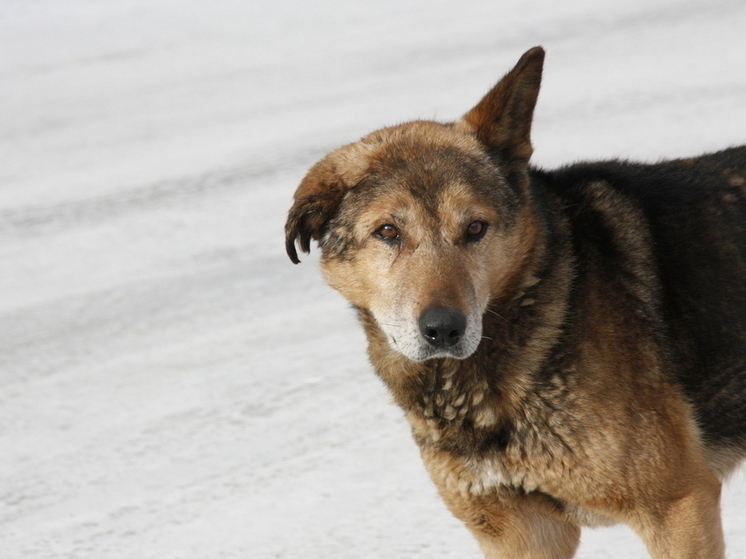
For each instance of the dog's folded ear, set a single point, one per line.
(502, 119)
(316, 201)
(320, 193)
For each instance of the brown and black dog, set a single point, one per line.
(569, 346)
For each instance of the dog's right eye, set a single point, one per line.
(475, 231)
(387, 233)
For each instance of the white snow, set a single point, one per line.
(171, 386)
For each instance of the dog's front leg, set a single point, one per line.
(687, 527)
(516, 526)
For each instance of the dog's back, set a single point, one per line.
(695, 213)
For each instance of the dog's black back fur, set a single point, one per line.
(694, 212)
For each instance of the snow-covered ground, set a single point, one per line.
(170, 385)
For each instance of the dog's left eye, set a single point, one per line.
(475, 231)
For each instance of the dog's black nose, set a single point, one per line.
(442, 327)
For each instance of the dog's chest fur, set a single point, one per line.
(473, 450)
(492, 431)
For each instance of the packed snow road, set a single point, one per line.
(170, 385)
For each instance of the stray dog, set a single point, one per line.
(568, 346)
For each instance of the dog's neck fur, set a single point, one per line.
(462, 406)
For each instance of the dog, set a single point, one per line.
(569, 346)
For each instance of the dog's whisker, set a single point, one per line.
(496, 314)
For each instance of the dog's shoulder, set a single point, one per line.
(676, 232)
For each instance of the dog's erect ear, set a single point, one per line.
(316, 201)
(502, 119)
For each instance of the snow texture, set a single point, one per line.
(170, 385)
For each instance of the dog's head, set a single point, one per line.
(424, 224)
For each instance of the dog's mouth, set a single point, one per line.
(456, 353)
(422, 351)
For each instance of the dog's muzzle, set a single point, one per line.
(435, 333)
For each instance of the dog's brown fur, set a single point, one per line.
(571, 394)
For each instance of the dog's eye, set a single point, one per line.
(387, 232)
(475, 231)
